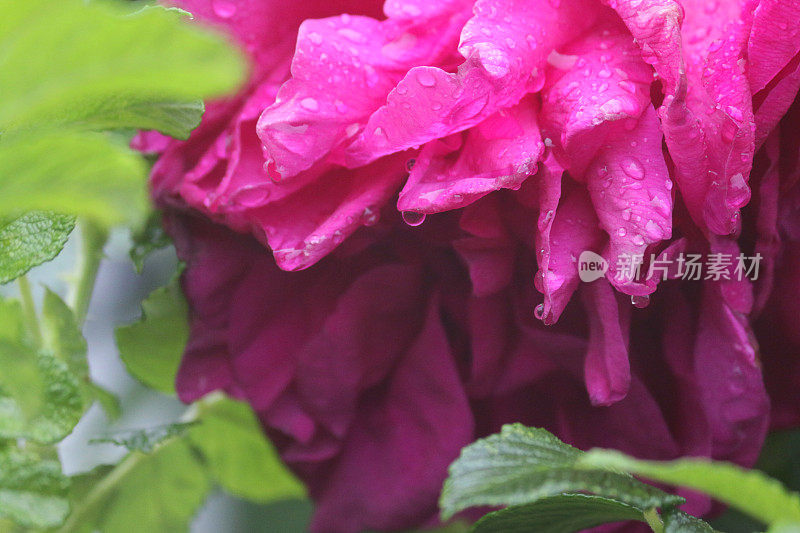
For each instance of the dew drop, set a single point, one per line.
(315, 38)
(410, 164)
(310, 104)
(426, 79)
(413, 218)
(538, 312)
(640, 302)
(633, 168)
(370, 217)
(638, 240)
(622, 232)
(224, 8)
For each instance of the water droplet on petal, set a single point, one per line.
(310, 104)
(224, 8)
(622, 232)
(315, 38)
(426, 79)
(410, 164)
(413, 218)
(640, 301)
(538, 312)
(370, 217)
(633, 168)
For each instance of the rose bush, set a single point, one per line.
(526, 132)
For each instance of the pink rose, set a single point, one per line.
(527, 132)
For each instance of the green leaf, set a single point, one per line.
(32, 491)
(148, 239)
(751, 492)
(62, 335)
(75, 173)
(560, 514)
(63, 338)
(152, 348)
(94, 66)
(238, 455)
(145, 440)
(30, 240)
(174, 118)
(158, 492)
(521, 465)
(676, 521)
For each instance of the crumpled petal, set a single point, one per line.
(574, 229)
(607, 370)
(342, 70)
(500, 152)
(631, 191)
(304, 227)
(595, 82)
(421, 421)
(707, 113)
(506, 45)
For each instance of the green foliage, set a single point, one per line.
(145, 440)
(157, 492)
(152, 348)
(89, 65)
(71, 172)
(238, 455)
(679, 522)
(70, 66)
(559, 514)
(751, 491)
(30, 240)
(63, 338)
(523, 465)
(40, 398)
(149, 238)
(32, 491)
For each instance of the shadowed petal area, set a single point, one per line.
(421, 420)
(608, 374)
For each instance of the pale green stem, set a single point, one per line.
(92, 241)
(80, 515)
(654, 520)
(29, 311)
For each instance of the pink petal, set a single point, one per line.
(500, 152)
(608, 374)
(269, 27)
(772, 45)
(342, 70)
(729, 378)
(421, 421)
(506, 45)
(596, 80)
(574, 230)
(305, 226)
(631, 191)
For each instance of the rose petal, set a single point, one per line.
(500, 152)
(607, 369)
(506, 45)
(631, 191)
(421, 421)
(342, 70)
